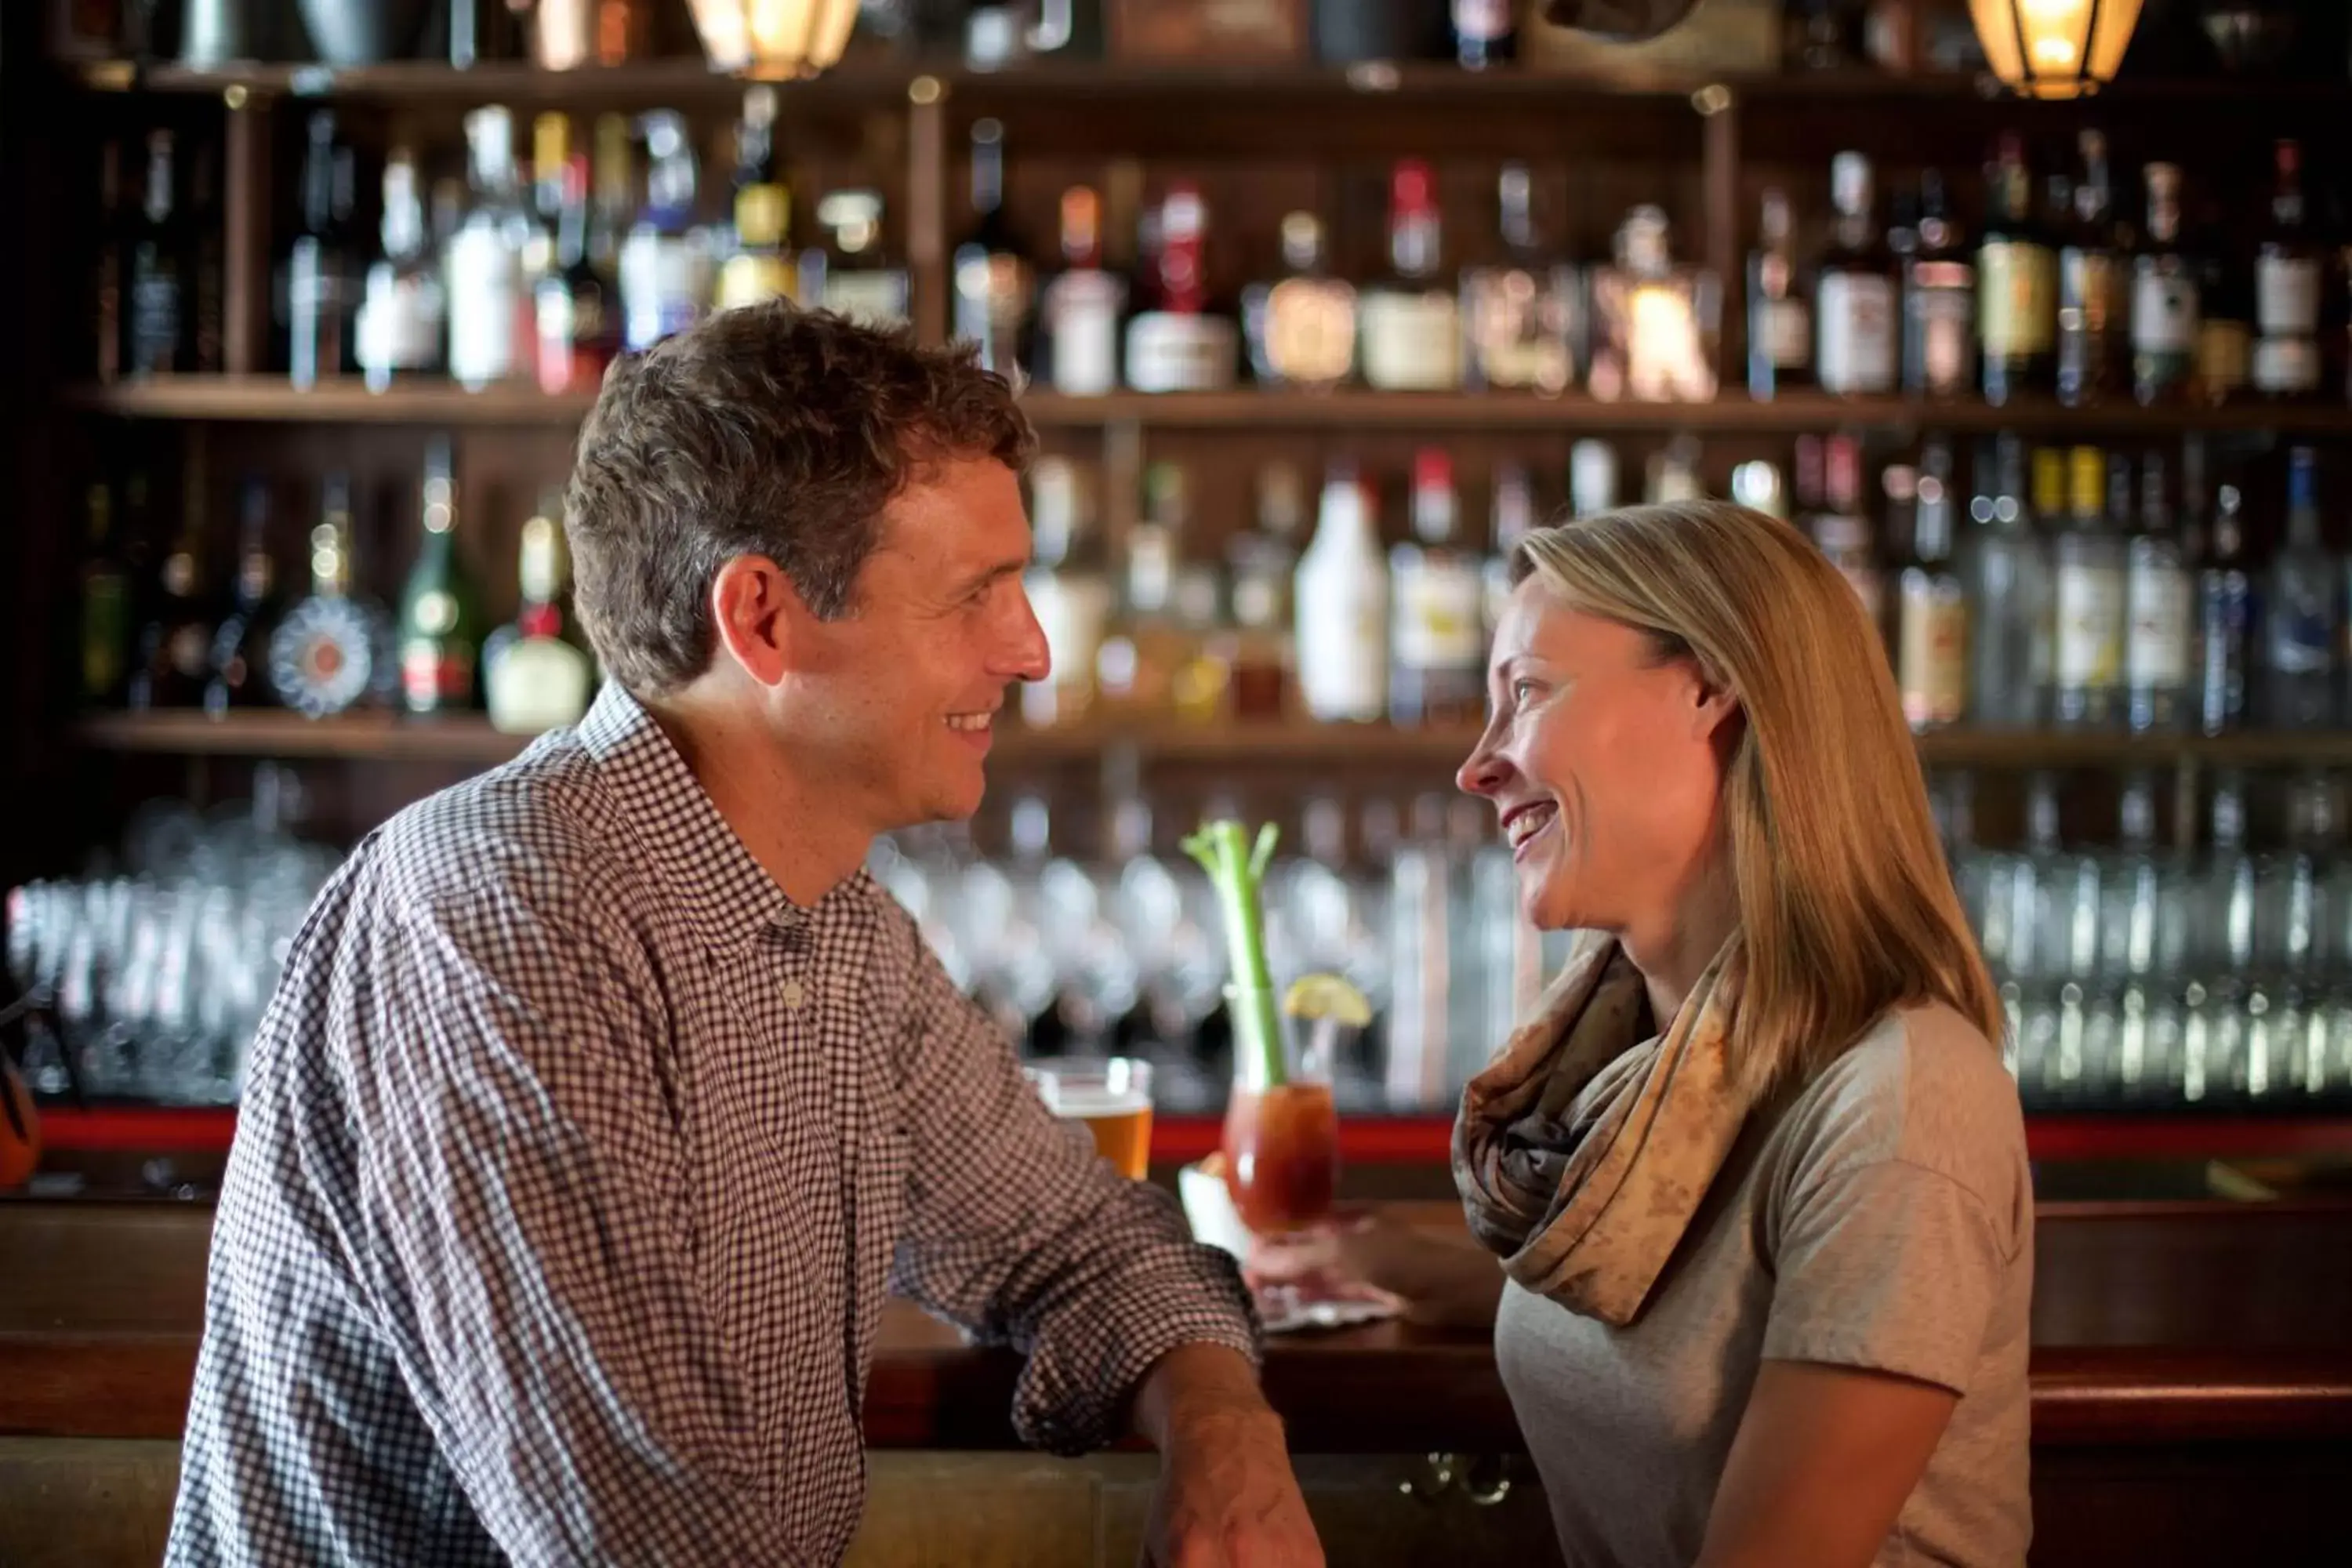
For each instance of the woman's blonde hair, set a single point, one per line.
(1846, 907)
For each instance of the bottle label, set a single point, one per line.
(435, 673)
(1789, 333)
(2155, 645)
(1343, 629)
(2302, 634)
(2287, 364)
(2286, 296)
(1412, 342)
(2020, 299)
(1482, 21)
(1441, 614)
(399, 325)
(1084, 308)
(2090, 626)
(2164, 313)
(1857, 332)
(664, 282)
(1310, 332)
(2090, 291)
(537, 685)
(1932, 651)
(2225, 615)
(1944, 320)
(1518, 329)
(2225, 352)
(154, 316)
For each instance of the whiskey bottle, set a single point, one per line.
(1856, 296)
(1780, 319)
(762, 266)
(1931, 640)
(1411, 321)
(851, 274)
(2018, 273)
(1301, 328)
(1940, 302)
(993, 280)
(319, 281)
(438, 624)
(2093, 302)
(1518, 317)
(2164, 298)
(2287, 274)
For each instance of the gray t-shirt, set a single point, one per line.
(1882, 1219)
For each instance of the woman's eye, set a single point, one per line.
(1521, 690)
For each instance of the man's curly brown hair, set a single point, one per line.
(767, 430)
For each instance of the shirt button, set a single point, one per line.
(794, 995)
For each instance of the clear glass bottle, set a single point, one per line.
(2225, 619)
(1931, 639)
(240, 652)
(2301, 615)
(2008, 576)
(1779, 316)
(665, 262)
(488, 326)
(1437, 674)
(333, 651)
(1520, 316)
(1069, 591)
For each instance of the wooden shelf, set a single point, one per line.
(878, 78)
(468, 739)
(271, 400)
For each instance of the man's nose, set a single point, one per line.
(1025, 655)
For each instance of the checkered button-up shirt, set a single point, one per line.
(574, 1164)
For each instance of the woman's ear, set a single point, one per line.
(1716, 706)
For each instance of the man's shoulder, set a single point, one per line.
(542, 832)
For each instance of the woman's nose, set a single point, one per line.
(1484, 772)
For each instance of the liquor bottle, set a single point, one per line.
(175, 634)
(534, 673)
(1412, 323)
(1780, 319)
(1342, 605)
(850, 274)
(1137, 665)
(332, 651)
(1931, 642)
(576, 306)
(319, 281)
(1652, 322)
(1592, 477)
(1301, 328)
(488, 341)
(1483, 34)
(551, 173)
(1264, 560)
(1514, 519)
(1437, 673)
(2225, 310)
(993, 282)
(613, 207)
(2286, 290)
(2018, 274)
(1940, 302)
(1200, 683)
(1180, 345)
(1843, 530)
(2225, 618)
(439, 639)
(206, 261)
(2159, 608)
(239, 676)
(1069, 591)
(2299, 609)
(1083, 304)
(761, 267)
(404, 307)
(2164, 298)
(1518, 316)
(157, 319)
(2093, 301)
(1856, 298)
(2091, 605)
(106, 608)
(2008, 574)
(665, 267)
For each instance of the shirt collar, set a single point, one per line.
(724, 893)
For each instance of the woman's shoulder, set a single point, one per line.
(1922, 1087)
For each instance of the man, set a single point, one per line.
(605, 1094)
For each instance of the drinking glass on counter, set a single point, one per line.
(1112, 1097)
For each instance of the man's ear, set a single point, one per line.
(758, 617)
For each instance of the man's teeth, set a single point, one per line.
(1529, 823)
(971, 720)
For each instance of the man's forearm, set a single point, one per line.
(1197, 1383)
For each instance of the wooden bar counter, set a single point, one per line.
(2192, 1383)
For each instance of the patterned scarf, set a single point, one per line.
(1588, 1212)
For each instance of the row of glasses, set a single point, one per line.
(156, 964)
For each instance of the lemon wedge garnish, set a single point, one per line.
(1328, 996)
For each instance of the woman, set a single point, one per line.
(1755, 1172)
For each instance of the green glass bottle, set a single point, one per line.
(440, 625)
(105, 607)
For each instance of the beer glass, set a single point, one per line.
(1112, 1097)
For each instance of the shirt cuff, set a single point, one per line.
(1082, 1375)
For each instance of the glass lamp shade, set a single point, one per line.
(774, 38)
(2054, 49)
